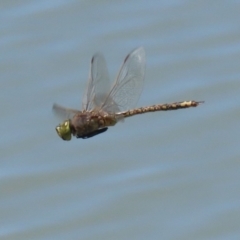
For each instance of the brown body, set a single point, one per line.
(162, 107)
(86, 122)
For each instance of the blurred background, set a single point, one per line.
(163, 175)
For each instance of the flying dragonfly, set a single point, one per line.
(104, 105)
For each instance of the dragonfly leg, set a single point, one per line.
(92, 134)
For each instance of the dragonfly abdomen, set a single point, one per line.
(161, 107)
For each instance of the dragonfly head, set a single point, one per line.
(64, 131)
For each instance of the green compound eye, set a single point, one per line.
(64, 131)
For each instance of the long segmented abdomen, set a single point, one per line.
(161, 107)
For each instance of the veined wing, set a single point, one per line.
(64, 113)
(98, 84)
(128, 85)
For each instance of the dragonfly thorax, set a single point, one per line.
(86, 122)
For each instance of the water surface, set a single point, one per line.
(165, 175)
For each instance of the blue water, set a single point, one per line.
(165, 175)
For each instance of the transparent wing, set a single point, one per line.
(128, 85)
(98, 84)
(64, 113)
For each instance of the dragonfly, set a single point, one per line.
(104, 105)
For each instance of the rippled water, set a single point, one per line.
(165, 175)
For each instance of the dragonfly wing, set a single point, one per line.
(128, 85)
(98, 84)
(64, 113)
